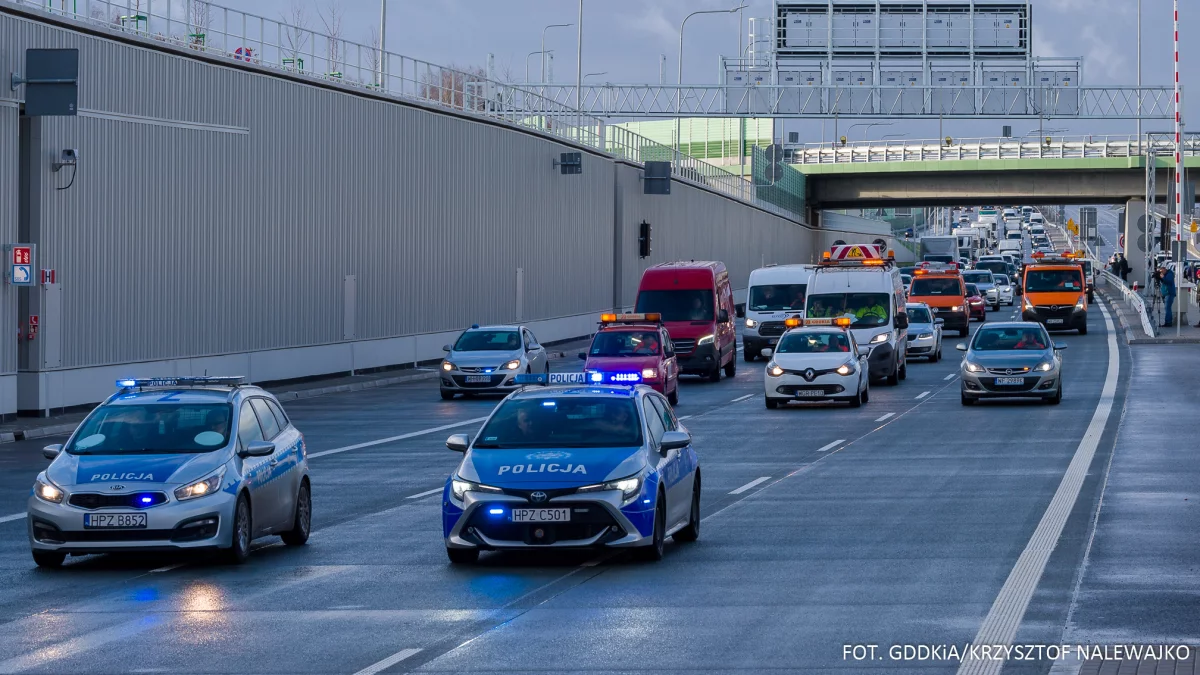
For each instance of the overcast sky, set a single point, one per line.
(624, 39)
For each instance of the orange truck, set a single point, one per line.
(1055, 293)
(941, 287)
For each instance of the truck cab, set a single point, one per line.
(695, 303)
(776, 293)
(1055, 293)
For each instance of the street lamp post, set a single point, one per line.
(383, 44)
(585, 77)
(679, 84)
(553, 25)
(868, 125)
(530, 56)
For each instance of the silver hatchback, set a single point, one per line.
(487, 359)
(1012, 360)
(173, 464)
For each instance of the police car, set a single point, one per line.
(818, 360)
(185, 463)
(573, 465)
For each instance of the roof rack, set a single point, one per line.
(181, 382)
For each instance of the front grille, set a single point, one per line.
(825, 389)
(1055, 311)
(550, 494)
(771, 328)
(1008, 371)
(479, 369)
(91, 500)
(587, 521)
(492, 381)
(684, 346)
(816, 373)
(989, 383)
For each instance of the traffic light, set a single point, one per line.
(774, 154)
(644, 240)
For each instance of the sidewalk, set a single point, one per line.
(26, 428)
(1131, 322)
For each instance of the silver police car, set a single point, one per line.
(168, 464)
(1012, 360)
(487, 359)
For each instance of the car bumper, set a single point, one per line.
(920, 347)
(954, 320)
(791, 387)
(701, 361)
(1057, 320)
(754, 344)
(497, 383)
(170, 526)
(882, 360)
(983, 385)
(597, 521)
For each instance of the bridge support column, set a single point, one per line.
(1136, 240)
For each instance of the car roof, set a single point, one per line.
(916, 305)
(1011, 324)
(559, 391)
(497, 327)
(178, 395)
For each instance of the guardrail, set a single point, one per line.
(1082, 147)
(1133, 298)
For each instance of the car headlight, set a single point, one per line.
(47, 492)
(649, 373)
(205, 486)
(1044, 367)
(774, 370)
(706, 340)
(630, 487)
(956, 308)
(973, 367)
(925, 336)
(1026, 303)
(751, 323)
(459, 488)
(846, 368)
(511, 365)
(1079, 305)
(879, 339)
(447, 366)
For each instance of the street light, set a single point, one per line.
(585, 77)
(887, 136)
(531, 55)
(553, 25)
(868, 125)
(679, 84)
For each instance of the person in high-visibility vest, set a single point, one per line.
(868, 308)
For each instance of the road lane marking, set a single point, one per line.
(388, 662)
(831, 445)
(15, 516)
(685, 417)
(72, 647)
(750, 485)
(392, 439)
(949, 377)
(885, 417)
(922, 395)
(424, 494)
(743, 398)
(1005, 616)
(168, 568)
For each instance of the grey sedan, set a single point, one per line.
(1014, 359)
(924, 332)
(487, 359)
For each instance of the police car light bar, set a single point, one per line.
(551, 378)
(653, 317)
(199, 381)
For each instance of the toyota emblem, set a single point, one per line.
(538, 497)
(117, 487)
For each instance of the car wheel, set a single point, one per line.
(855, 401)
(447, 395)
(747, 356)
(691, 531)
(771, 403)
(1011, 303)
(462, 556)
(1057, 397)
(964, 332)
(967, 400)
(996, 307)
(715, 375)
(302, 525)
(893, 379)
(866, 392)
(239, 543)
(673, 397)
(1083, 329)
(731, 367)
(654, 552)
(49, 559)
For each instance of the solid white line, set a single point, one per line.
(750, 485)
(15, 516)
(392, 439)
(832, 445)
(685, 417)
(886, 417)
(168, 568)
(424, 494)
(922, 395)
(949, 377)
(1004, 618)
(743, 398)
(388, 662)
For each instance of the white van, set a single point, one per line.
(776, 293)
(840, 288)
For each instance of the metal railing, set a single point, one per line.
(901, 150)
(250, 39)
(1132, 297)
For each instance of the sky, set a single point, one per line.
(625, 38)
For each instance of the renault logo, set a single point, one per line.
(537, 497)
(809, 374)
(117, 487)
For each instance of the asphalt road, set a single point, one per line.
(897, 523)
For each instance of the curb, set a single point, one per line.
(1130, 332)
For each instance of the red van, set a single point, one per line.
(696, 304)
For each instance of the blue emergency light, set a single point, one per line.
(197, 381)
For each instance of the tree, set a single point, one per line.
(199, 17)
(377, 56)
(332, 18)
(296, 30)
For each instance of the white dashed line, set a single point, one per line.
(15, 516)
(832, 445)
(949, 377)
(751, 485)
(886, 417)
(392, 439)
(424, 494)
(388, 662)
(922, 395)
(743, 398)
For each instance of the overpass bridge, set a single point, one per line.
(1079, 170)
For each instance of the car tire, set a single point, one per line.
(1012, 302)
(715, 375)
(893, 378)
(243, 530)
(302, 522)
(1057, 397)
(48, 559)
(855, 401)
(673, 397)
(462, 556)
(447, 395)
(747, 356)
(654, 552)
(1083, 329)
(967, 400)
(996, 307)
(866, 393)
(691, 531)
(771, 403)
(964, 332)
(731, 367)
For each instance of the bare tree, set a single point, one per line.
(297, 30)
(377, 55)
(199, 16)
(455, 86)
(332, 18)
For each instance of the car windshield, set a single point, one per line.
(1051, 281)
(993, 266)
(978, 277)
(812, 343)
(938, 286)
(488, 340)
(682, 305)
(907, 271)
(626, 343)
(939, 258)
(972, 290)
(1087, 267)
(563, 422)
(1001, 279)
(869, 309)
(1024, 338)
(919, 315)
(777, 297)
(153, 428)
(905, 279)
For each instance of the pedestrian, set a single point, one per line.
(1124, 272)
(1167, 286)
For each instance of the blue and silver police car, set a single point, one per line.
(573, 465)
(169, 464)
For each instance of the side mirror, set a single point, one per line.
(446, 348)
(901, 320)
(458, 442)
(583, 356)
(939, 322)
(766, 351)
(962, 346)
(723, 316)
(1059, 346)
(52, 451)
(257, 449)
(534, 347)
(739, 311)
(675, 440)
